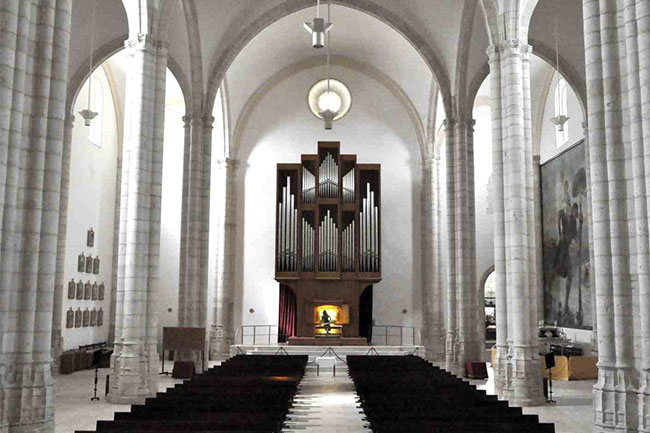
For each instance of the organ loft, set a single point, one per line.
(328, 243)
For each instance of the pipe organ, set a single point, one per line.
(287, 229)
(328, 231)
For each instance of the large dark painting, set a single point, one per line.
(567, 292)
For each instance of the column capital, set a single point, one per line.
(507, 48)
(146, 42)
(428, 162)
(198, 120)
(228, 163)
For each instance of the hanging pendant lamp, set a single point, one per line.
(561, 118)
(88, 114)
(318, 28)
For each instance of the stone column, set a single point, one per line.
(134, 364)
(59, 273)
(462, 295)
(223, 284)
(433, 332)
(539, 250)
(618, 82)
(193, 275)
(34, 43)
(592, 260)
(517, 362)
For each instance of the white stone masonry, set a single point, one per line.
(617, 47)
(223, 283)
(135, 358)
(433, 332)
(195, 225)
(33, 65)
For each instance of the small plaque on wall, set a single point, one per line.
(69, 318)
(95, 291)
(89, 264)
(72, 286)
(86, 318)
(77, 318)
(100, 317)
(80, 289)
(90, 238)
(87, 291)
(81, 263)
(100, 295)
(96, 265)
(93, 317)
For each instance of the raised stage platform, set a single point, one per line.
(327, 341)
(317, 353)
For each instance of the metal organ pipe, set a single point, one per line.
(328, 177)
(348, 187)
(327, 236)
(287, 230)
(308, 186)
(369, 233)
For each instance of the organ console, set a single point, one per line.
(328, 232)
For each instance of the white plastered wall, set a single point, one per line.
(377, 130)
(93, 172)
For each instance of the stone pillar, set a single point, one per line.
(539, 250)
(592, 260)
(223, 284)
(34, 43)
(462, 295)
(134, 363)
(433, 332)
(193, 275)
(59, 273)
(517, 363)
(618, 82)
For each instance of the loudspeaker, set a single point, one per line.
(549, 359)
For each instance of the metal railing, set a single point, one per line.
(257, 334)
(396, 335)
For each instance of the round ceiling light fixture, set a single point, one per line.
(329, 101)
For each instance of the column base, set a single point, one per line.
(220, 344)
(41, 427)
(616, 401)
(524, 377)
(132, 379)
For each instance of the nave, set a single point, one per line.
(324, 402)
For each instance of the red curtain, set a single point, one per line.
(287, 321)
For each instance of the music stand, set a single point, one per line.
(549, 360)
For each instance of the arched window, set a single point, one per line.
(561, 109)
(96, 105)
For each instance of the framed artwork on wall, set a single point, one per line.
(565, 236)
(77, 318)
(94, 291)
(90, 238)
(96, 265)
(89, 264)
(100, 295)
(81, 263)
(87, 291)
(86, 318)
(72, 286)
(100, 317)
(93, 317)
(69, 318)
(80, 290)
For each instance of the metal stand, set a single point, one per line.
(550, 389)
(94, 397)
(163, 372)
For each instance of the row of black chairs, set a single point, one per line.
(244, 394)
(408, 394)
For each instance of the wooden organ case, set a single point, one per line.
(328, 240)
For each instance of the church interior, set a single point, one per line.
(445, 229)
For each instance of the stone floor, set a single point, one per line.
(326, 404)
(573, 410)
